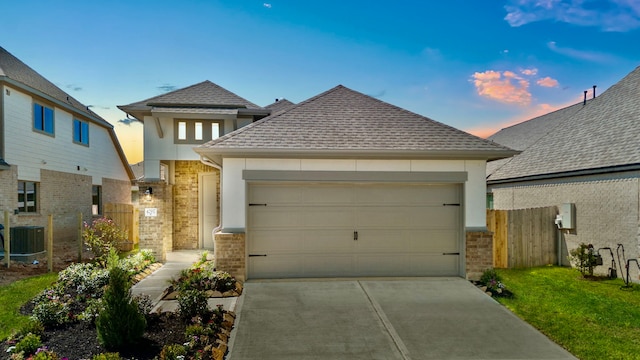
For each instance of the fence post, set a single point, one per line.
(50, 244)
(7, 239)
(79, 237)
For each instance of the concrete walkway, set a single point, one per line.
(155, 284)
(425, 318)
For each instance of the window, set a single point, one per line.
(80, 132)
(197, 131)
(43, 118)
(27, 196)
(96, 200)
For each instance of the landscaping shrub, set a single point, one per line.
(86, 279)
(101, 236)
(173, 352)
(203, 276)
(192, 303)
(44, 354)
(33, 326)
(52, 308)
(120, 324)
(107, 356)
(583, 258)
(29, 344)
(493, 283)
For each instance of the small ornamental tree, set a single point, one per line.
(121, 324)
(584, 258)
(101, 236)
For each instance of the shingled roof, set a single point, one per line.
(343, 122)
(15, 72)
(192, 99)
(599, 136)
(279, 105)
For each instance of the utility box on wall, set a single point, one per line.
(568, 215)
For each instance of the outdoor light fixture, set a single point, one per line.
(148, 193)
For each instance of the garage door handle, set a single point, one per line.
(450, 204)
(452, 253)
(355, 235)
(254, 255)
(257, 204)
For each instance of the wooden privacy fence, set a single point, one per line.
(523, 238)
(126, 217)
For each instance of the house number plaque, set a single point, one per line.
(150, 212)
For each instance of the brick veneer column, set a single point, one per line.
(229, 253)
(479, 253)
(156, 232)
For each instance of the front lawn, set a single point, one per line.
(14, 295)
(593, 319)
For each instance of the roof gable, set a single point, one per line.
(341, 120)
(204, 94)
(603, 133)
(14, 70)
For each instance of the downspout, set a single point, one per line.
(208, 162)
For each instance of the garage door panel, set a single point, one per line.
(323, 194)
(403, 230)
(275, 194)
(433, 241)
(278, 241)
(406, 194)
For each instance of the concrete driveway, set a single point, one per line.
(424, 318)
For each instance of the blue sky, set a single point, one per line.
(476, 65)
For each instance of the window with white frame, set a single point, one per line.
(27, 196)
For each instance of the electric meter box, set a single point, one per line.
(568, 214)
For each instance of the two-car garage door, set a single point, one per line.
(346, 229)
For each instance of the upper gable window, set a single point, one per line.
(43, 119)
(80, 132)
(196, 131)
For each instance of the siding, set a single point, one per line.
(33, 151)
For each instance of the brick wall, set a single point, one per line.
(116, 191)
(156, 231)
(479, 253)
(186, 198)
(229, 253)
(606, 209)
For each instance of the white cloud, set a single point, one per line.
(267, 5)
(547, 82)
(609, 15)
(592, 56)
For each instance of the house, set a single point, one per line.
(587, 154)
(57, 157)
(181, 187)
(343, 184)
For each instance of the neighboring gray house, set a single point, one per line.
(587, 154)
(343, 184)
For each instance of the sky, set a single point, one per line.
(478, 66)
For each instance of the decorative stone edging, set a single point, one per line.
(146, 272)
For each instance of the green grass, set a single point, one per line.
(14, 295)
(591, 319)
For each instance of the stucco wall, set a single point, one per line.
(233, 199)
(606, 210)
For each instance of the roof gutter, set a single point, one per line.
(584, 172)
(367, 154)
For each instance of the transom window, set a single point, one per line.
(43, 119)
(27, 196)
(80, 132)
(197, 131)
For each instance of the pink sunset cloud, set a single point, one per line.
(506, 87)
(541, 109)
(547, 82)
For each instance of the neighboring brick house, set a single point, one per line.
(185, 189)
(587, 154)
(343, 184)
(56, 155)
